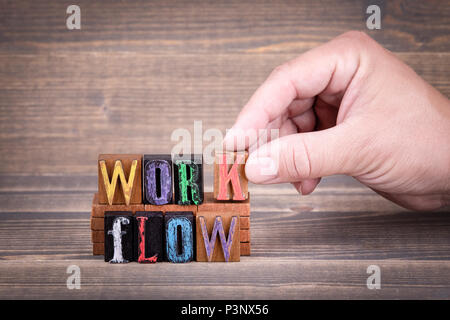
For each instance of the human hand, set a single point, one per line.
(351, 107)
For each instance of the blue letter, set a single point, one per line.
(172, 240)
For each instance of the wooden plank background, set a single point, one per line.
(136, 71)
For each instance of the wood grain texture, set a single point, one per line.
(326, 246)
(220, 26)
(136, 67)
(98, 210)
(245, 248)
(244, 222)
(310, 231)
(300, 279)
(170, 207)
(242, 208)
(244, 235)
(123, 83)
(97, 224)
(98, 248)
(97, 236)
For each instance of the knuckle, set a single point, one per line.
(355, 41)
(356, 36)
(295, 160)
(303, 158)
(279, 71)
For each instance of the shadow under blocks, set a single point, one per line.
(153, 208)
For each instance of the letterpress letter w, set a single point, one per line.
(110, 185)
(218, 228)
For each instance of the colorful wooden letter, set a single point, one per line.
(149, 237)
(157, 179)
(229, 176)
(153, 208)
(179, 229)
(123, 167)
(209, 224)
(118, 237)
(188, 179)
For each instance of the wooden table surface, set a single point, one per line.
(138, 70)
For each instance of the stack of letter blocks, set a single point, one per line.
(152, 208)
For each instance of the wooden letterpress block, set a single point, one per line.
(230, 182)
(180, 233)
(188, 179)
(245, 235)
(245, 248)
(98, 210)
(242, 208)
(119, 179)
(97, 223)
(245, 222)
(157, 179)
(98, 248)
(149, 237)
(97, 236)
(118, 228)
(210, 204)
(171, 208)
(218, 236)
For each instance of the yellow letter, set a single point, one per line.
(127, 186)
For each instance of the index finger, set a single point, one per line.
(328, 69)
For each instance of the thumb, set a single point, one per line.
(305, 156)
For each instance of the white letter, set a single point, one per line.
(198, 134)
(184, 146)
(214, 135)
(374, 20)
(374, 281)
(74, 20)
(73, 281)
(117, 234)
